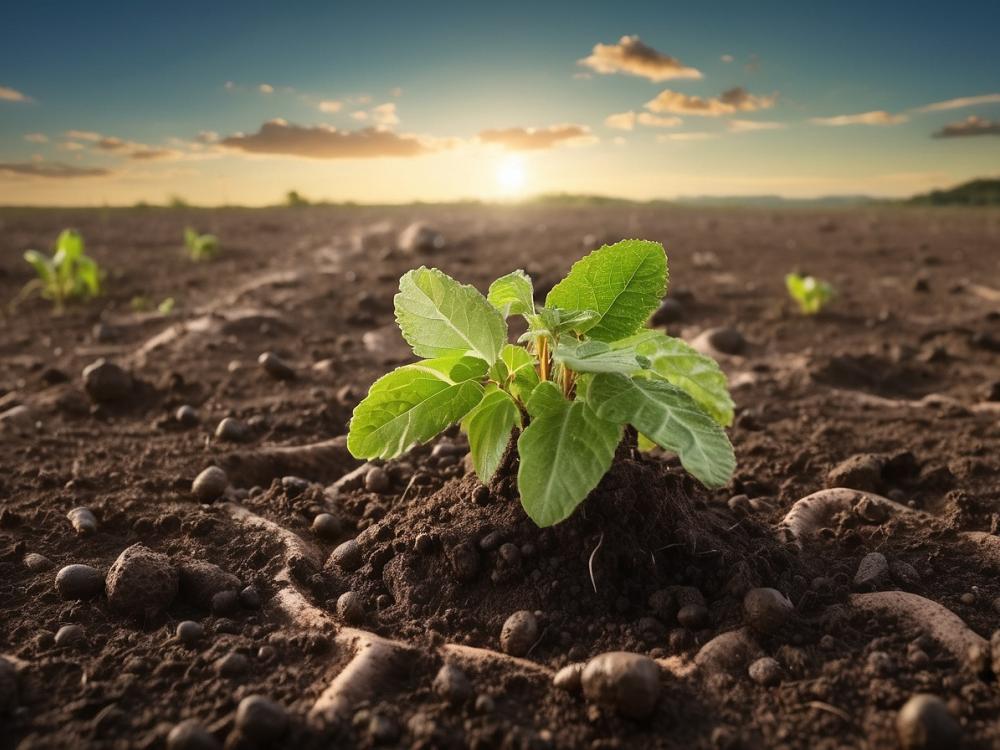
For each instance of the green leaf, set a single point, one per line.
(414, 403)
(678, 363)
(69, 246)
(520, 367)
(42, 265)
(595, 356)
(489, 427)
(669, 417)
(623, 283)
(88, 278)
(564, 452)
(512, 294)
(810, 293)
(440, 317)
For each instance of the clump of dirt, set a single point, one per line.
(460, 561)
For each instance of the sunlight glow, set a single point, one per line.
(511, 175)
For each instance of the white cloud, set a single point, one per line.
(536, 139)
(971, 125)
(359, 115)
(734, 100)
(330, 105)
(965, 101)
(630, 55)
(266, 88)
(727, 58)
(748, 126)
(71, 146)
(36, 138)
(876, 117)
(82, 135)
(621, 121)
(396, 92)
(51, 169)
(655, 121)
(278, 137)
(385, 114)
(628, 120)
(8, 94)
(692, 136)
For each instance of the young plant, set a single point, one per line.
(811, 294)
(200, 246)
(68, 275)
(587, 368)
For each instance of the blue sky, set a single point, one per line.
(153, 78)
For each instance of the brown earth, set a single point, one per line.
(904, 365)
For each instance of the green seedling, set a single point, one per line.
(200, 246)
(586, 367)
(810, 293)
(68, 275)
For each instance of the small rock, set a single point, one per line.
(200, 581)
(225, 603)
(141, 583)
(924, 723)
(8, 687)
(669, 311)
(464, 559)
(485, 704)
(232, 430)
(189, 632)
(693, 616)
(725, 340)
(326, 526)
(377, 480)
(275, 366)
(191, 735)
(232, 665)
(766, 610)
(79, 582)
(519, 633)
(261, 719)
(106, 382)
(418, 237)
(452, 684)
(873, 570)
(187, 416)
(210, 484)
(628, 682)
(350, 607)
(69, 636)
(861, 472)
(423, 543)
(347, 556)
(765, 671)
(84, 521)
(37, 563)
(569, 677)
(250, 597)
(729, 652)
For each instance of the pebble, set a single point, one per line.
(210, 484)
(225, 603)
(261, 719)
(569, 677)
(84, 521)
(418, 237)
(729, 652)
(191, 735)
(275, 366)
(452, 684)
(187, 416)
(106, 382)
(326, 526)
(8, 687)
(377, 480)
(861, 472)
(872, 571)
(200, 581)
(924, 723)
(250, 597)
(766, 610)
(628, 682)
(464, 559)
(232, 430)
(37, 563)
(519, 633)
(350, 607)
(347, 556)
(693, 616)
(669, 311)
(765, 671)
(141, 583)
(189, 632)
(423, 543)
(232, 665)
(69, 636)
(79, 582)
(725, 340)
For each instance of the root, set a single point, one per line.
(941, 624)
(322, 462)
(984, 292)
(816, 511)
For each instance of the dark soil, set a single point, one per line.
(902, 365)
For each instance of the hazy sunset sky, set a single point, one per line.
(392, 102)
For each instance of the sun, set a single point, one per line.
(511, 175)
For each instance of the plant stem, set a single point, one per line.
(543, 358)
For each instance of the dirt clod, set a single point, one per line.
(452, 684)
(106, 382)
(141, 583)
(201, 580)
(628, 682)
(519, 633)
(766, 610)
(261, 719)
(190, 734)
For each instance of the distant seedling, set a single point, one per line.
(68, 275)
(810, 293)
(200, 246)
(587, 369)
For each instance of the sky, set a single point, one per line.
(391, 102)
